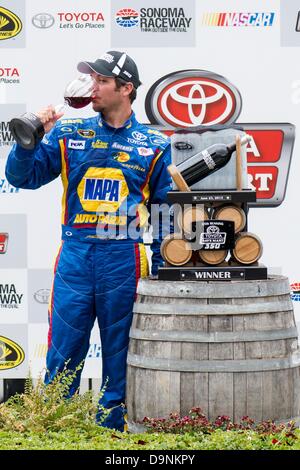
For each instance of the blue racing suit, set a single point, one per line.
(109, 176)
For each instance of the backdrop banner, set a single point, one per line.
(201, 63)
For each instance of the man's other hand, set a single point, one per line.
(48, 116)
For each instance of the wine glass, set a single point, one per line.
(28, 129)
(78, 93)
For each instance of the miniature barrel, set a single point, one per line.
(229, 348)
(232, 213)
(248, 248)
(175, 250)
(191, 214)
(212, 257)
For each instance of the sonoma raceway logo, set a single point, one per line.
(9, 297)
(154, 20)
(190, 98)
(6, 137)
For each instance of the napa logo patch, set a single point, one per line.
(99, 144)
(102, 190)
(10, 24)
(11, 354)
(76, 144)
(121, 157)
(86, 133)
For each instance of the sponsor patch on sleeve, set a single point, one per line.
(87, 133)
(76, 144)
(67, 129)
(144, 151)
(71, 121)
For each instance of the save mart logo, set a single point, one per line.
(10, 24)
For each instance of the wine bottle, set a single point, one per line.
(209, 160)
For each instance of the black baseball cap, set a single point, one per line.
(113, 64)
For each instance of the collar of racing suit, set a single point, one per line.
(131, 121)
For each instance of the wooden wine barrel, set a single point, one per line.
(229, 348)
(248, 248)
(175, 250)
(212, 257)
(232, 213)
(190, 215)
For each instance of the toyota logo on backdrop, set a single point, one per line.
(193, 98)
(43, 20)
(42, 296)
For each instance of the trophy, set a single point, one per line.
(28, 129)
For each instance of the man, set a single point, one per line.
(111, 168)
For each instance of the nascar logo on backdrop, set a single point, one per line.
(190, 98)
(238, 19)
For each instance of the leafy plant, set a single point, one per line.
(44, 408)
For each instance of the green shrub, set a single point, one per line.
(45, 407)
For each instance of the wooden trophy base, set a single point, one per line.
(222, 272)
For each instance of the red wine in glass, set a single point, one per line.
(78, 101)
